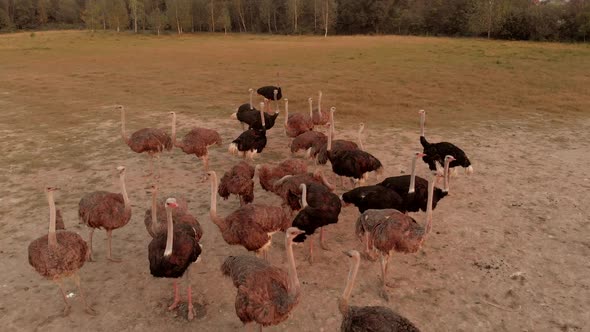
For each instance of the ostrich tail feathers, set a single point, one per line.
(233, 148)
(308, 153)
(234, 115)
(469, 170)
(424, 142)
(454, 172)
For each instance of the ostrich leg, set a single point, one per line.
(88, 308)
(368, 248)
(151, 163)
(110, 240)
(90, 233)
(67, 308)
(384, 262)
(310, 256)
(322, 240)
(176, 297)
(191, 310)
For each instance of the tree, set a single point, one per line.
(328, 15)
(224, 19)
(24, 14)
(42, 7)
(266, 10)
(117, 14)
(5, 22)
(134, 7)
(91, 13)
(157, 19)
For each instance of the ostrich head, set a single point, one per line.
(172, 113)
(50, 189)
(121, 169)
(420, 155)
(250, 90)
(421, 112)
(151, 189)
(171, 203)
(118, 107)
(292, 232)
(361, 126)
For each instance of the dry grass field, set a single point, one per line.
(509, 248)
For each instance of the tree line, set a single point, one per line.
(565, 20)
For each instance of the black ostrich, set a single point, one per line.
(374, 197)
(250, 142)
(320, 207)
(253, 118)
(414, 189)
(436, 152)
(268, 92)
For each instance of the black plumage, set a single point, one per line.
(413, 202)
(375, 319)
(268, 92)
(185, 251)
(252, 118)
(251, 140)
(374, 197)
(436, 152)
(323, 209)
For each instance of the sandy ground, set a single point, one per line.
(508, 252)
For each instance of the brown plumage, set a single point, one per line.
(59, 221)
(238, 181)
(268, 174)
(320, 151)
(172, 252)
(397, 231)
(155, 217)
(368, 319)
(59, 254)
(101, 209)
(266, 294)
(150, 140)
(250, 226)
(289, 187)
(296, 124)
(197, 141)
(308, 140)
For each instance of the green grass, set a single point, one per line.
(61, 80)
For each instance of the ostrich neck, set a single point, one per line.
(354, 268)
(361, 138)
(154, 212)
(294, 285)
(251, 93)
(412, 187)
(446, 175)
(123, 132)
(331, 131)
(220, 222)
(174, 129)
(124, 191)
(170, 234)
(422, 121)
(428, 225)
(320, 104)
(286, 113)
(262, 117)
(304, 196)
(51, 236)
(310, 109)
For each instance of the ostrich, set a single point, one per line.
(250, 142)
(374, 197)
(296, 124)
(238, 181)
(365, 319)
(266, 294)
(320, 152)
(251, 225)
(289, 187)
(307, 141)
(101, 209)
(247, 106)
(252, 118)
(150, 140)
(155, 221)
(59, 254)
(394, 230)
(351, 163)
(196, 142)
(414, 189)
(319, 208)
(435, 152)
(268, 174)
(244, 109)
(172, 252)
(316, 115)
(268, 91)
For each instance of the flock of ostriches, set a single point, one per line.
(266, 294)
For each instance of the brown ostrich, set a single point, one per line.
(318, 117)
(238, 181)
(397, 231)
(59, 254)
(101, 209)
(155, 221)
(320, 152)
(307, 141)
(196, 142)
(150, 140)
(172, 252)
(296, 124)
(289, 187)
(368, 319)
(267, 174)
(251, 225)
(266, 294)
